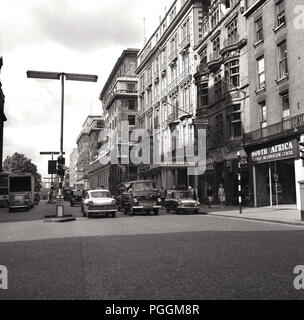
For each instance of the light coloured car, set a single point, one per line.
(99, 202)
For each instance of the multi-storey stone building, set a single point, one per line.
(119, 100)
(2, 118)
(167, 93)
(276, 114)
(87, 149)
(223, 95)
(73, 168)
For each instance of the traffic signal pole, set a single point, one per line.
(60, 198)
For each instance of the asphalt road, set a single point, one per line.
(165, 257)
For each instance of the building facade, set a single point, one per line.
(87, 149)
(73, 168)
(119, 101)
(223, 96)
(167, 94)
(276, 68)
(2, 118)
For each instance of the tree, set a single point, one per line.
(20, 163)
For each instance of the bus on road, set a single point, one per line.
(21, 191)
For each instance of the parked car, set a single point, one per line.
(181, 201)
(139, 196)
(76, 198)
(99, 202)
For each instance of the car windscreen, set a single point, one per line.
(100, 194)
(143, 186)
(182, 195)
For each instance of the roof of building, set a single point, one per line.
(125, 53)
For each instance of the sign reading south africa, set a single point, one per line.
(281, 151)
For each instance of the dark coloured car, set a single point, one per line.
(181, 201)
(139, 196)
(76, 198)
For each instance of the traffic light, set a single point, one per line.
(60, 166)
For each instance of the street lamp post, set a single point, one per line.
(61, 76)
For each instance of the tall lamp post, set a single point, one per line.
(61, 76)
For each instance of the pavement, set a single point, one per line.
(284, 214)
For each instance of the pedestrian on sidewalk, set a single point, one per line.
(210, 196)
(222, 195)
(163, 196)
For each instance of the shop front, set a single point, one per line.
(274, 174)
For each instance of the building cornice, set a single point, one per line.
(125, 53)
(254, 8)
(159, 46)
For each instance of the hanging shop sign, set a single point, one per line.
(281, 151)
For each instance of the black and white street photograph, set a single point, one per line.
(151, 153)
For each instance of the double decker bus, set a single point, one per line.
(4, 193)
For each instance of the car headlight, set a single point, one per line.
(180, 203)
(91, 203)
(135, 200)
(198, 203)
(114, 202)
(159, 200)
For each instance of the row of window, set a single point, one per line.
(280, 20)
(264, 111)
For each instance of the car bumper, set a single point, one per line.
(18, 206)
(146, 208)
(188, 209)
(108, 211)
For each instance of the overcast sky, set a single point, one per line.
(64, 36)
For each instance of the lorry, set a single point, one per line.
(139, 196)
(21, 191)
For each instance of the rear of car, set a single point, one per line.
(76, 198)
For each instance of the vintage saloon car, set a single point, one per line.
(75, 198)
(139, 196)
(181, 201)
(98, 202)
